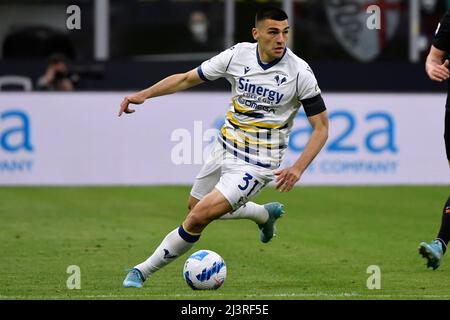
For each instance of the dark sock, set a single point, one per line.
(444, 232)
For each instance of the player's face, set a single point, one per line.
(272, 38)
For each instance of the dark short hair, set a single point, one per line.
(272, 13)
(57, 57)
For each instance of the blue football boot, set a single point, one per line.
(267, 229)
(134, 279)
(432, 252)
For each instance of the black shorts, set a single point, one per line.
(447, 132)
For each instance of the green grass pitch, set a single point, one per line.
(325, 243)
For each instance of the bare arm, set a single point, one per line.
(171, 84)
(288, 177)
(436, 70)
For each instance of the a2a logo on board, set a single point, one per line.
(15, 141)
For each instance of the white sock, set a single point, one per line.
(250, 210)
(175, 244)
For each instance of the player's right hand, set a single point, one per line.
(439, 72)
(136, 98)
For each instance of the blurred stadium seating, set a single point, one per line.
(151, 39)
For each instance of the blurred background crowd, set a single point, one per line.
(125, 45)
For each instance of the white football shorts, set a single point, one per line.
(236, 179)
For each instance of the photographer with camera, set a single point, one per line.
(57, 76)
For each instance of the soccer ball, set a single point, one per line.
(204, 270)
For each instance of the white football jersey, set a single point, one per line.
(265, 100)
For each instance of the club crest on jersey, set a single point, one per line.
(280, 80)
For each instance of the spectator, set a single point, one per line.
(57, 76)
(199, 39)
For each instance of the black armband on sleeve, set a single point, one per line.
(441, 39)
(314, 105)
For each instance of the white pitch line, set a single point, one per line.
(276, 295)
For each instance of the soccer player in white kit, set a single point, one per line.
(269, 84)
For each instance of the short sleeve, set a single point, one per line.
(441, 38)
(307, 86)
(217, 66)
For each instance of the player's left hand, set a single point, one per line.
(287, 178)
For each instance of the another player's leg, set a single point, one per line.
(180, 240)
(435, 250)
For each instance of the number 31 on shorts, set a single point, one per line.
(247, 181)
